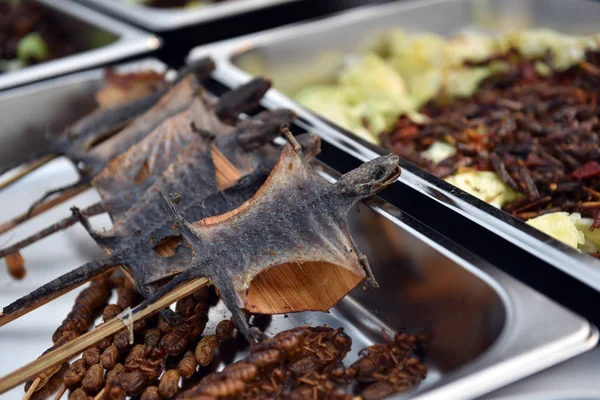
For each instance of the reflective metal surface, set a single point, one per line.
(576, 379)
(487, 329)
(104, 39)
(307, 53)
(162, 19)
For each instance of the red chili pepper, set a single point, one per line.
(587, 170)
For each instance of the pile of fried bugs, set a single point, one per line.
(538, 132)
(187, 183)
(181, 361)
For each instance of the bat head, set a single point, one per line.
(370, 178)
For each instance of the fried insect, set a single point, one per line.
(16, 266)
(109, 357)
(150, 393)
(205, 350)
(187, 365)
(87, 303)
(75, 373)
(91, 355)
(169, 384)
(79, 394)
(93, 379)
(224, 330)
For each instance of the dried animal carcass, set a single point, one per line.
(138, 91)
(91, 160)
(143, 231)
(301, 218)
(183, 136)
(127, 176)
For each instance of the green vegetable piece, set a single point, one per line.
(32, 46)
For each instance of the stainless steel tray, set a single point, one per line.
(161, 19)
(576, 379)
(488, 329)
(119, 41)
(294, 50)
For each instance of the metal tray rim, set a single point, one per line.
(579, 265)
(130, 42)
(167, 19)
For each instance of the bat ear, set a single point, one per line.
(292, 140)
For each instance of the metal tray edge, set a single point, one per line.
(131, 42)
(164, 20)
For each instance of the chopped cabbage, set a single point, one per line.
(484, 185)
(468, 47)
(561, 226)
(565, 50)
(331, 102)
(592, 237)
(32, 46)
(439, 151)
(400, 72)
(372, 76)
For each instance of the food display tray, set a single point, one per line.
(281, 51)
(163, 19)
(486, 328)
(120, 41)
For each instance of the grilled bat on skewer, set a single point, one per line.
(177, 99)
(127, 177)
(156, 229)
(301, 219)
(120, 187)
(90, 161)
(192, 182)
(114, 113)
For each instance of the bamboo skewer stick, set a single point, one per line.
(27, 169)
(100, 395)
(227, 174)
(32, 388)
(61, 391)
(79, 344)
(18, 220)
(6, 318)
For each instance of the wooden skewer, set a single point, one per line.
(79, 344)
(6, 318)
(100, 395)
(61, 390)
(227, 174)
(18, 220)
(27, 169)
(32, 388)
